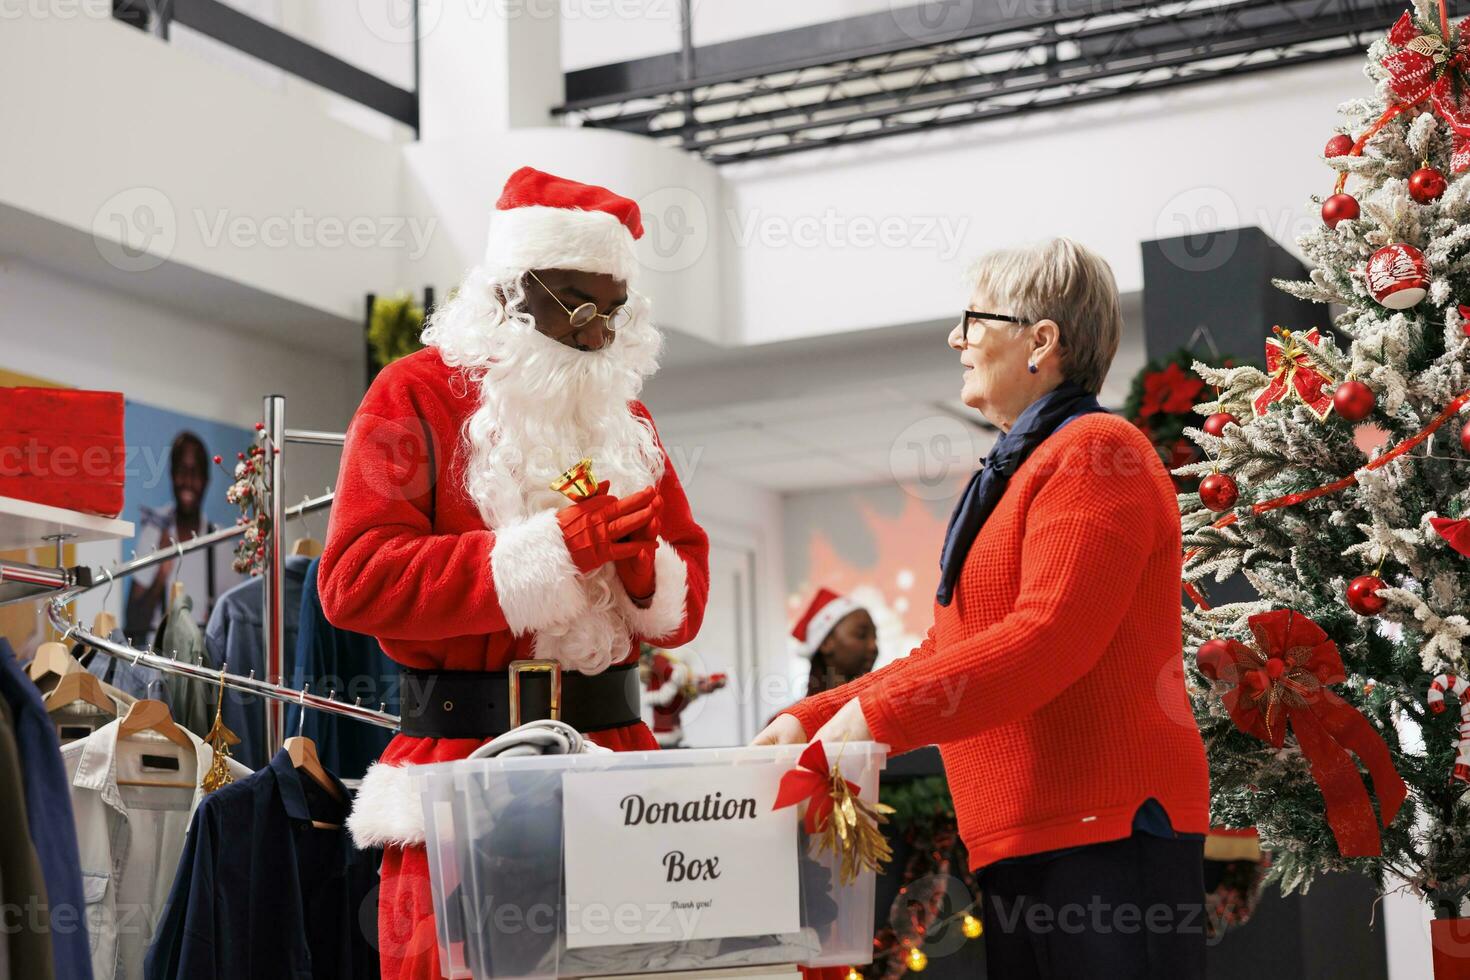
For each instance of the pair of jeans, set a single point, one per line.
(1131, 909)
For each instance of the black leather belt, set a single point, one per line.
(483, 704)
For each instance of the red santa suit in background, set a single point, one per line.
(444, 541)
(670, 686)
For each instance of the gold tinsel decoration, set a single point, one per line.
(219, 739)
(851, 831)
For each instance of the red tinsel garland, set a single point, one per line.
(1351, 479)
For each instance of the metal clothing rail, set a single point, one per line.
(105, 576)
(250, 685)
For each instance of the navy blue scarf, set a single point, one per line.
(1040, 419)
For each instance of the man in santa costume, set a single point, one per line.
(449, 544)
(670, 686)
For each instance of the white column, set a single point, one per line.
(487, 66)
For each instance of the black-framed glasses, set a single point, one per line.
(614, 319)
(977, 315)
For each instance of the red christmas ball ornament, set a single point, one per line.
(1397, 276)
(1218, 492)
(1339, 207)
(1215, 424)
(1212, 652)
(1465, 438)
(1339, 145)
(1465, 319)
(1362, 595)
(1354, 401)
(1427, 185)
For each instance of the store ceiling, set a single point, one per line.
(875, 407)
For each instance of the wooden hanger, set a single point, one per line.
(307, 547)
(153, 716)
(52, 658)
(302, 752)
(104, 623)
(80, 686)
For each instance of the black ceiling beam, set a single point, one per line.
(1201, 42)
(275, 47)
(807, 47)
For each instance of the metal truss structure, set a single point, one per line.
(954, 62)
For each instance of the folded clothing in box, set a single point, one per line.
(63, 447)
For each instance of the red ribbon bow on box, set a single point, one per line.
(1284, 681)
(1430, 66)
(1292, 374)
(811, 783)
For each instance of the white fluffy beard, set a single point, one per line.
(543, 406)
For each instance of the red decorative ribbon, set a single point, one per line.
(1292, 374)
(1283, 681)
(1426, 67)
(1456, 532)
(1291, 499)
(810, 782)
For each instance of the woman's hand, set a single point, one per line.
(848, 725)
(784, 729)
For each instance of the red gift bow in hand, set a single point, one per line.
(810, 782)
(1292, 373)
(1285, 681)
(1456, 532)
(1423, 66)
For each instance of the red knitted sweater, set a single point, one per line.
(1053, 682)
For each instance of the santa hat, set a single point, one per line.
(826, 611)
(547, 222)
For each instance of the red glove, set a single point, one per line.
(595, 528)
(637, 572)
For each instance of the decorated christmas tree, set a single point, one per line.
(1336, 483)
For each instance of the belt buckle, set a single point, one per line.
(518, 667)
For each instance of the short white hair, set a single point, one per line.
(1059, 280)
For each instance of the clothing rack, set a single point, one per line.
(273, 622)
(277, 693)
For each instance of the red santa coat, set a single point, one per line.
(408, 559)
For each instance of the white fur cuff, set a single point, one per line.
(670, 590)
(388, 810)
(535, 579)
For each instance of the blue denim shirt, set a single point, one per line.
(48, 810)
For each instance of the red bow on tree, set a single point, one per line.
(1456, 532)
(1293, 374)
(1429, 65)
(1284, 681)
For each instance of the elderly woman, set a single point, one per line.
(1052, 678)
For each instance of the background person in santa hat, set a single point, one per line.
(448, 543)
(838, 637)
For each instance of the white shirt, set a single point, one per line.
(130, 837)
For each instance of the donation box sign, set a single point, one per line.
(677, 853)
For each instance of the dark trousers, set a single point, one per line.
(1131, 909)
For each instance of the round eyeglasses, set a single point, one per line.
(614, 319)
